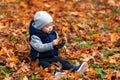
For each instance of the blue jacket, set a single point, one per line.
(45, 38)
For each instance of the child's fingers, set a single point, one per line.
(55, 42)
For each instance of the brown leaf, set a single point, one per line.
(117, 43)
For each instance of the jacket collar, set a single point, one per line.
(35, 31)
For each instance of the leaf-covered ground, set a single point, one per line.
(92, 28)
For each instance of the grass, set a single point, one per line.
(4, 72)
(115, 11)
(96, 65)
(104, 28)
(113, 66)
(86, 45)
(100, 73)
(92, 32)
(80, 58)
(118, 30)
(67, 44)
(105, 16)
(95, 21)
(79, 39)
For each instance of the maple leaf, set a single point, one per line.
(109, 75)
(1, 52)
(114, 37)
(22, 4)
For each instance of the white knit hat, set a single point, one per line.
(41, 19)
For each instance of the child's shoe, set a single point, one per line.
(81, 68)
(59, 74)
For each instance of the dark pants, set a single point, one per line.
(48, 62)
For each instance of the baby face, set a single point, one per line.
(48, 28)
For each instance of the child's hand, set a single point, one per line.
(61, 42)
(55, 42)
(64, 40)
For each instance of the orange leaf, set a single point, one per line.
(64, 29)
(22, 4)
(90, 72)
(76, 74)
(14, 59)
(95, 36)
(52, 67)
(114, 37)
(109, 75)
(1, 75)
(11, 1)
(99, 16)
(1, 51)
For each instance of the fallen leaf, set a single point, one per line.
(95, 36)
(109, 75)
(25, 78)
(112, 59)
(1, 52)
(11, 1)
(114, 37)
(22, 4)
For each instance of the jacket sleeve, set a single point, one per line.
(37, 44)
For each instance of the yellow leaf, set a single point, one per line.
(64, 29)
(52, 67)
(14, 34)
(114, 37)
(14, 58)
(11, 1)
(47, 5)
(95, 35)
(2, 51)
(25, 78)
(112, 59)
(22, 4)
(11, 51)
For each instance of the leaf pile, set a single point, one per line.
(92, 29)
